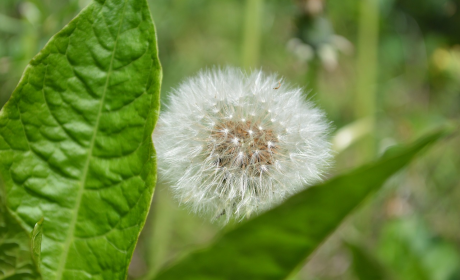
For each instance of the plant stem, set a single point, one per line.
(314, 67)
(252, 33)
(365, 99)
(160, 230)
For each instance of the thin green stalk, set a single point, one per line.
(365, 99)
(159, 231)
(313, 71)
(252, 33)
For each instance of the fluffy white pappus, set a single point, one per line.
(233, 144)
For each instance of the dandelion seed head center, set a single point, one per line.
(240, 145)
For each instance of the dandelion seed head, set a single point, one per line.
(251, 147)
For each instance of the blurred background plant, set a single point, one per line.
(384, 71)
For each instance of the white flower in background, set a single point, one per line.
(234, 144)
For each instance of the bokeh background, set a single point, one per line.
(385, 72)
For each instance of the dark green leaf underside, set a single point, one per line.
(75, 145)
(274, 244)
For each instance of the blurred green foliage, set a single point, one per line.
(314, 44)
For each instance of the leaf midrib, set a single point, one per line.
(70, 236)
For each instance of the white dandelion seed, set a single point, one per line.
(252, 146)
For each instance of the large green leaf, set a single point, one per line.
(274, 244)
(75, 140)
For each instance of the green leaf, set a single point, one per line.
(274, 244)
(75, 140)
(16, 260)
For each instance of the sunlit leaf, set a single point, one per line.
(75, 143)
